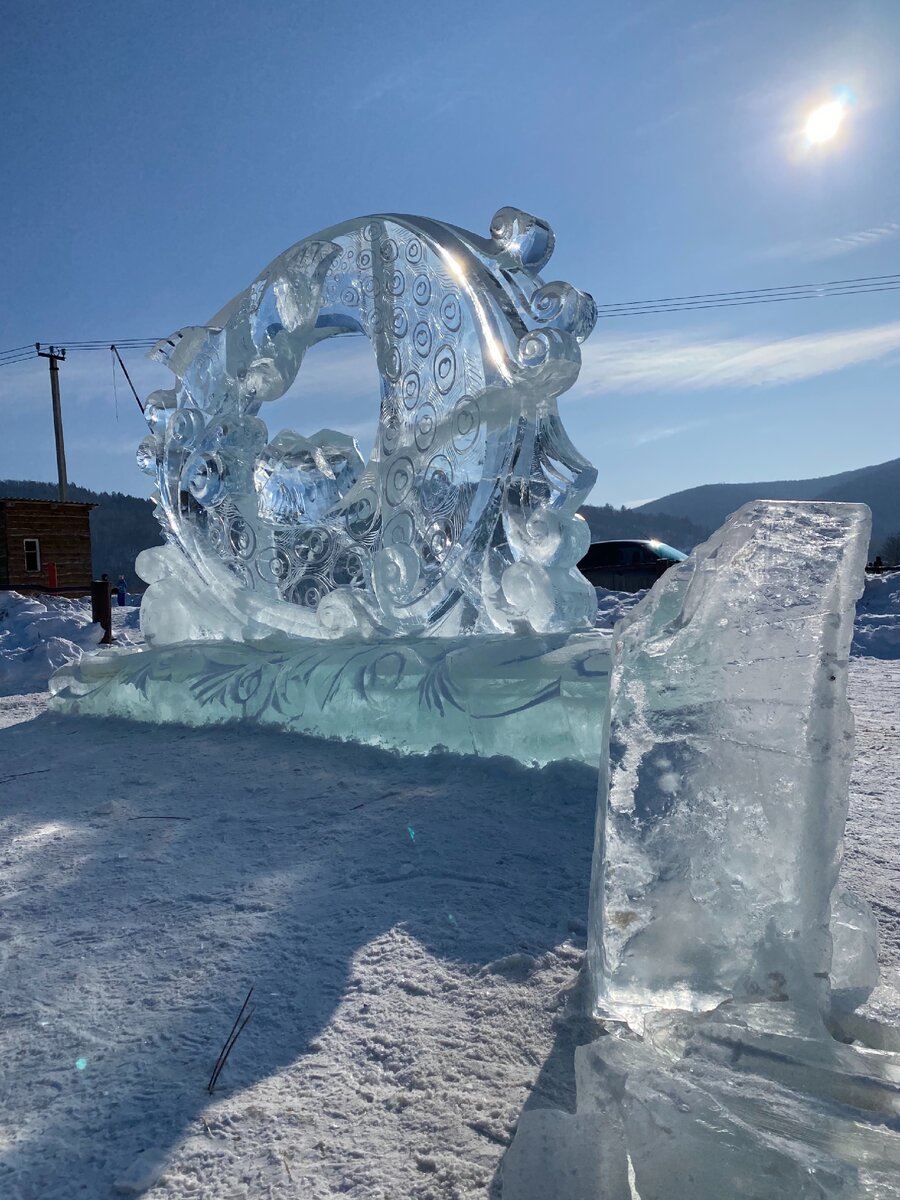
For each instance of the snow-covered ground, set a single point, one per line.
(878, 617)
(38, 635)
(413, 930)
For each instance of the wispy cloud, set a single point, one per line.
(674, 362)
(821, 249)
(663, 432)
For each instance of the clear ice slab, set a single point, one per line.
(715, 887)
(720, 824)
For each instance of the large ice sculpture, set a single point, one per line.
(720, 827)
(464, 518)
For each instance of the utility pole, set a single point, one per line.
(56, 356)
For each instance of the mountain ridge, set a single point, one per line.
(709, 504)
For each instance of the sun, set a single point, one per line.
(823, 122)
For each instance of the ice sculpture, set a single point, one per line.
(464, 518)
(730, 748)
(724, 1067)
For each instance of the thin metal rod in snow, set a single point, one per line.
(236, 1030)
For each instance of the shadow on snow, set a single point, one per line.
(297, 854)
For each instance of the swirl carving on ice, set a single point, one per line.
(464, 518)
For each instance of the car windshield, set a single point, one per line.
(669, 552)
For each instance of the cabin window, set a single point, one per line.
(32, 554)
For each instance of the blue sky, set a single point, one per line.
(155, 156)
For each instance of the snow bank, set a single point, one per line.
(613, 606)
(877, 632)
(40, 635)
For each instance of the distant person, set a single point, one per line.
(877, 565)
(121, 591)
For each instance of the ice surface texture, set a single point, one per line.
(464, 518)
(730, 746)
(745, 1103)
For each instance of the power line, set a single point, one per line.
(20, 354)
(692, 302)
(790, 287)
(11, 362)
(128, 343)
(675, 308)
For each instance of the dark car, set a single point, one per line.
(628, 566)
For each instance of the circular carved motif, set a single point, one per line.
(390, 433)
(388, 250)
(466, 422)
(439, 539)
(308, 591)
(422, 338)
(399, 323)
(399, 531)
(438, 492)
(273, 565)
(425, 427)
(241, 538)
(399, 480)
(348, 570)
(361, 516)
(451, 312)
(313, 545)
(444, 368)
(411, 389)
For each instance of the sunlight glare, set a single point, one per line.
(824, 122)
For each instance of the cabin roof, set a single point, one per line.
(29, 500)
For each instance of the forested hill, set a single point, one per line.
(608, 524)
(878, 486)
(121, 526)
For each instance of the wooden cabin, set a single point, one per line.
(45, 546)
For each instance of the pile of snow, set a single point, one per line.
(40, 635)
(613, 606)
(877, 632)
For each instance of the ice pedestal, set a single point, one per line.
(730, 747)
(534, 698)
